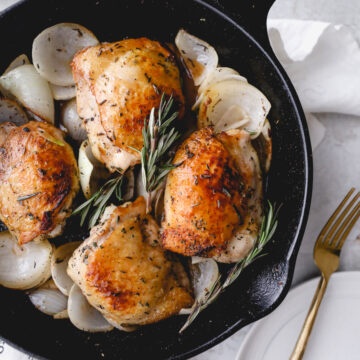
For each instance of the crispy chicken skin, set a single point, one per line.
(117, 85)
(39, 167)
(123, 271)
(208, 197)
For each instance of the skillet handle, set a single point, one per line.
(251, 15)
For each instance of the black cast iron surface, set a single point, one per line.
(264, 284)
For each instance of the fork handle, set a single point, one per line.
(303, 338)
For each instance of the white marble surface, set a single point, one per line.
(336, 162)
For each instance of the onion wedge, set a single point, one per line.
(72, 122)
(83, 315)
(23, 267)
(31, 90)
(250, 103)
(130, 185)
(48, 299)
(199, 57)
(219, 74)
(18, 61)
(59, 262)
(11, 111)
(121, 327)
(54, 48)
(91, 170)
(63, 92)
(205, 272)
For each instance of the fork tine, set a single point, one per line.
(333, 216)
(329, 237)
(348, 229)
(341, 229)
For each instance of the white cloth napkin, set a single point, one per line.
(323, 62)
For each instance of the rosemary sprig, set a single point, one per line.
(158, 137)
(267, 230)
(99, 201)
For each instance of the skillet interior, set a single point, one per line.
(262, 286)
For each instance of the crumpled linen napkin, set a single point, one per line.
(323, 63)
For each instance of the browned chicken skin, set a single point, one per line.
(38, 180)
(207, 197)
(117, 85)
(123, 271)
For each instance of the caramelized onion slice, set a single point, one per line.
(23, 267)
(199, 57)
(83, 315)
(31, 90)
(54, 48)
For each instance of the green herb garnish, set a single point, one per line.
(268, 227)
(100, 200)
(25, 197)
(158, 137)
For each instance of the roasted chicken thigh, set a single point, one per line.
(213, 199)
(38, 180)
(123, 271)
(117, 86)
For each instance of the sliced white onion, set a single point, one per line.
(139, 186)
(72, 122)
(130, 186)
(222, 96)
(31, 90)
(23, 267)
(204, 275)
(83, 315)
(199, 57)
(220, 74)
(54, 48)
(91, 170)
(129, 328)
(156, 195)
(18, 61)
(263, 146)
(11, 111)
(63, 92)
(235, 117)
(159, 205)
(48, 300)
(59, 262)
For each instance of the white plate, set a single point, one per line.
(336, 332)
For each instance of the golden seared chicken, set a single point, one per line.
(213, 200)
(117, 85)
(38, 180)
(123, 271)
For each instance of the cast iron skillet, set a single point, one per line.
(237, 30)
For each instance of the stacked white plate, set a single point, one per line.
(336, 333)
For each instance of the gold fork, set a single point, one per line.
(326, 256)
